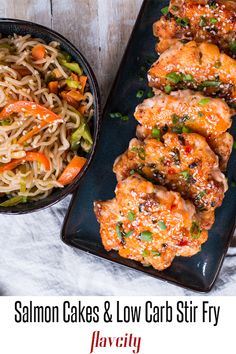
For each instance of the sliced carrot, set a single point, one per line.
(82, 109)
(76, 95)
(38, 52)
(53, 86)
(71, 101)
(82, 80)
(72, 170)
(30, 156)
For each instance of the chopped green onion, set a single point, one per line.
(204, 101)
(234, 145)
(209, 83)
(116, 115)
(200, 195)
(174, 77)
(200, 114)
(146, 236)
(177, 129)
(145, 253)
(140, 151)
(162, 225)
(183, 22)
(168, 89)
(130, 233)
(119, 230)
(195, 230)
(184, 41)
(185, 175)
(175, 118)
(150, 94)
(139, 94)
(233, 47)
(212, 4)
(156, 133)
(156, 253)
(203, 21)
(131, 216)
(185, 117)
(186, 129)
(213, 20)
(188, 77)
(150, 59)
(132, 172)
(14, 201)
(120, 116)
(176, 156)
(175, 8)
(165, 10)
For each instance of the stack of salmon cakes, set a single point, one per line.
(171, 178)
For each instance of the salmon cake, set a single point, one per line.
(181, 162)
(182, 111)
(199, 20)
(149, 224)
(198, 66)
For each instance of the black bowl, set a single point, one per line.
(11, 26)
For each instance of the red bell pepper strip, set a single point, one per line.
(30, 156)
(30, 108)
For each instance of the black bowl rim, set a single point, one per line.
(97, 113)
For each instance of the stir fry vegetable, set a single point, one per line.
(69, 86)
(71, 66)
(38, 52)
(29, 156)
(30, 108)
(14, 201)
(72, 170)
(81, 136)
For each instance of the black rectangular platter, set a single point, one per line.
(81, 229)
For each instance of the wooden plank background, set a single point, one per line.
(100, 29)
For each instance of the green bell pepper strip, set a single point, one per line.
(73, 84)
(14, 201)
(82, 132)
(71, 66)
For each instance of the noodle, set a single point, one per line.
(24, 78)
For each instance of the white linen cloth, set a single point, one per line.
(34, 261)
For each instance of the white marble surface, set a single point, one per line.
(33, 260)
